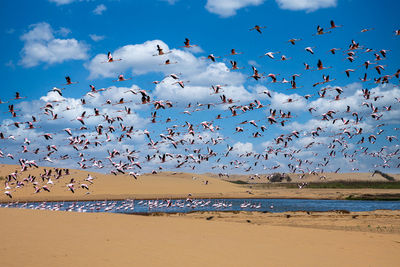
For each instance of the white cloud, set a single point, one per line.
(39, 32)
(195, 93)
(308, 5)
(40, 45)
(99, 9)
(171, 2)
(243, 148)
(139, 58)
(292, 102)
(96, 37)
(227, 8)
(64, 31)
(197, 74)
(352, 97)
(253, 63)
(62, 2)
(67, 119)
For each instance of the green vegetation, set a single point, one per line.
(239, 182)
(279, 177)
(355, 185)
(384, 175)
(326, 185)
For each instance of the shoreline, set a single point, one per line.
(197, 198)
(386, 197)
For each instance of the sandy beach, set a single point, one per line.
(79, 239)
(194, 239)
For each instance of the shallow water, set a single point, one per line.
(179, 205)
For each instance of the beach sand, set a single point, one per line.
(57, 238)
(46, 238)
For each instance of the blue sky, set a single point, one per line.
(44, 41)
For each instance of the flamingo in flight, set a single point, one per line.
(320, 66)
(270, 54)
(320, 31)
(293, 41)
(57, 90)
(234, 65)
(94, 90)
(121, 78)
(187, 44)
(168, 62)
(255, 75)
(212, 57)
(258, 28)
(161, 52)
(310, 49)
(333, 25)
(18, 96)
(111, 59)
(233, 52)
(367, 29)
(68, 80)
(181, 83)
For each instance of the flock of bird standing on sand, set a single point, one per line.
(192, 147)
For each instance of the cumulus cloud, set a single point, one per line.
(67, 109)
(227, 8)
(171, 2)
(41, 46)
(64, 31)
(308, 5)
(197, 74)
(352, 97)
(99, 9)
(141, 59)
(170, 91)
(291, 102)
(96, 37)
(70, 108)
(138, 58)
(62, 2)
(243, 148)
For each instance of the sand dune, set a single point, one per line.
(106, 186)
(325, 177)
(175, 185)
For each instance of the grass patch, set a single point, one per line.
(384, 175)
(238, 182)
(332, 185)
(355, 185)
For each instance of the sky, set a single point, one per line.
(45, 41)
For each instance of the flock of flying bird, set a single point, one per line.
(200, 143)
